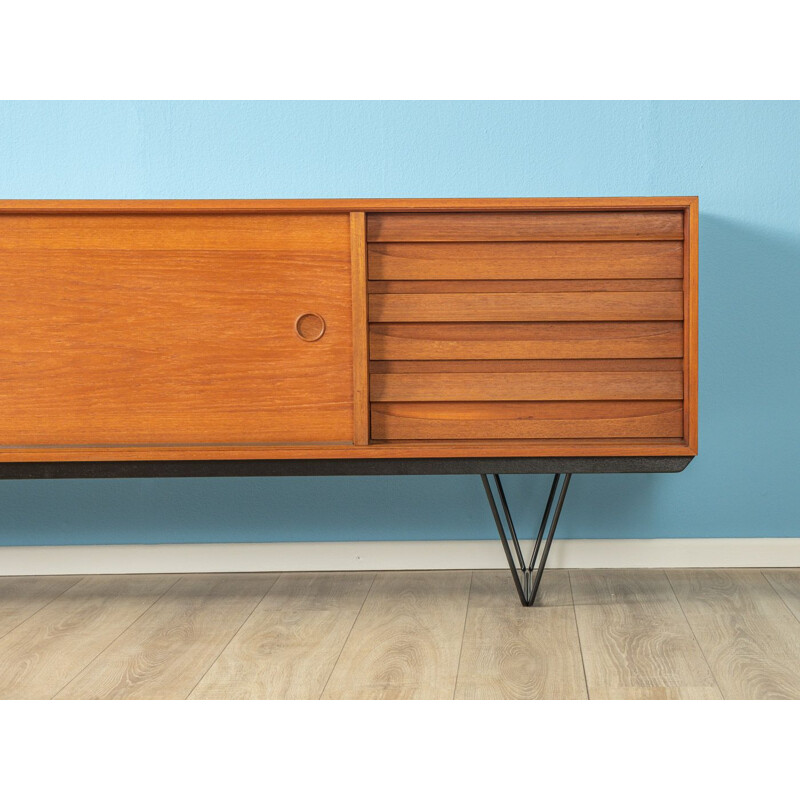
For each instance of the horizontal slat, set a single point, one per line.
(479, 287)
(526, 340)
(492, 386)
(523, 307)
(524, 226)
(521, 365)
(525, 260)
(526, 420)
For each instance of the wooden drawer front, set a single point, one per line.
(526, 325)
(466, 306)
(477, 386)
(515, 420)
(406, 261)
(525, 226)
(539, 340)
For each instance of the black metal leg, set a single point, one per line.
(527, 577)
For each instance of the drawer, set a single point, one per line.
(525, 226)
(514, 420)
(466, 306)
(557, 325)
(540, 340)
(403, 261)
(535, 385)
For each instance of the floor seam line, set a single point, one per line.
(578, 633)
(694, 635)
(41, 608)
(233, 636)
(349, 634)
(772, 586)
(463, 633)
(124, 630)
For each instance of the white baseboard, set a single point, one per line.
(313, 556)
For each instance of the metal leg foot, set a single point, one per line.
(527, 576)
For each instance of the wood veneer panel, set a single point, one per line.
(525, 260)
(524, 307)
(525, 226)
(487, 386)
(291, 233)
(188, 347)
(543, 365)
(481, 287)
(523, 448)
(526, 340)
(358, 257)
(691, 301)
(335, 204)
(515, 420)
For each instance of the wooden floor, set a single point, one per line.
(598, 634)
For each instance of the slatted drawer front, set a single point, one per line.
(526, 325)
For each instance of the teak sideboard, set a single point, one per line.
(249, 337)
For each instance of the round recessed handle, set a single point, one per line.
(309, 327)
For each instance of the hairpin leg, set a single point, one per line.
(527, 576)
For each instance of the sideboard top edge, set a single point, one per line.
(343, 205)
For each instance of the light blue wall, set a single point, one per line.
(742, 159)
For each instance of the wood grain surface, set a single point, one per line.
(529, 365)
(533, 340)
(635, 639)
(526, 307)
(150, 330)
(22, 596)
(153, 330)
(289, 645)
(786, 582)
(488, 386)
(39, 656)
(329, 205)
(166, 652)
(515, 420)
(406, 641)
(749, 637)
(637, 634)
(515, 286)
(358, 278)
(404, 261)
(508, 651)
(525, 226)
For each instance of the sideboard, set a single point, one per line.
(282, 337)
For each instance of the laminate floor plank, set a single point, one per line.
(786, 582)
(619, 634)
(22, 596)
(750, 638)
(634, 636)
(515, 653)
(289, 645)
(43, 653)
(406, 640)
(661, 693)
(166, 652)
